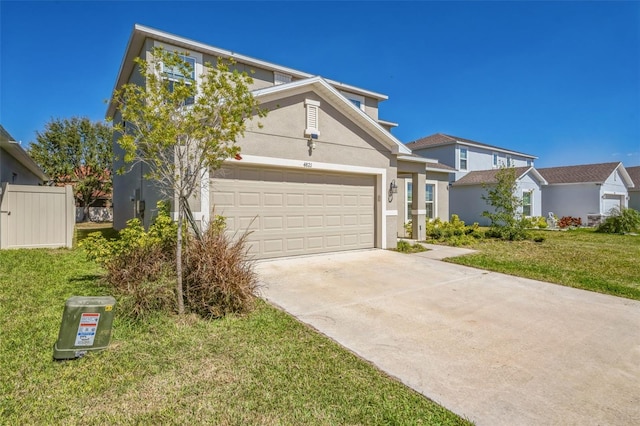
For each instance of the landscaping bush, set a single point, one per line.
(620, 222)
(406, 247)
(408, 229)
(569, 222)
(140, 265)
(538, 222)
(218, 275)
(454, 232)
(219, 278)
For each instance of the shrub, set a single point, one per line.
(218, 275)
(569, 222)
(406, 247)
(454, 232)
(140, 265)
(408, 229)
(620, 221)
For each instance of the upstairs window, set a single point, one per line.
(357, 100)
(281, 78)
(529, 163)
(174, 74)
(495, 160)
(463, 159)
(509, 161)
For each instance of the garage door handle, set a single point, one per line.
(6, 211)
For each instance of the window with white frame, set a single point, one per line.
(281, 78)
(529, 163)
(174, 74)
(408, 200)
(430, 200)
(495, 160)
(463, 159)
(509, 161)
(527, 203)
(357, 100)
(313, 116)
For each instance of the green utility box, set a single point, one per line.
(86, 326)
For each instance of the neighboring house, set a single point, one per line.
(586, 191)
(466, 155)
(634, 193)
(16, 166)
(466, 194)
(466, 158)
(31, 215)
(321, 174)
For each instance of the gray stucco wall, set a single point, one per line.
(578, 200)
(9, 165)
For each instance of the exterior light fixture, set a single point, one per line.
(393, 189)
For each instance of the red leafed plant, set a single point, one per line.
(569, 221)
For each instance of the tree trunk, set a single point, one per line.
(179, 291)
(85, 213)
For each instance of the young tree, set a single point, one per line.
(505, 217)
(78, 152)
(180, 127)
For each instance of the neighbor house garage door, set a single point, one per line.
(611, 201)
(293, 212)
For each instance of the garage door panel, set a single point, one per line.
(297, 212)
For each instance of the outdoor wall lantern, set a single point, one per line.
(393, 189)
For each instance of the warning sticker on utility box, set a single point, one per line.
(87, 329)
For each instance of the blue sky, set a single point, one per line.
(559, 80)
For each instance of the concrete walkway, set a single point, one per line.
(496, 349)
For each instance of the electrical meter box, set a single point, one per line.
(86, 326)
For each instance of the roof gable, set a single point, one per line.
(330, 94)
(488, 177)
(441, 139)
(140, 33)
(634, 174)
(584, 173)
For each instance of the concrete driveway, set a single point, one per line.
(493, 348)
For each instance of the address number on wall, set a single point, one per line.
(307, 165)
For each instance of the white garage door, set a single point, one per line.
(611, 201)
(293, 212)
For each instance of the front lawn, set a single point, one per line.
(265, 368)
(578, 258)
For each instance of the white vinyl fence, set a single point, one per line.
(36, 216)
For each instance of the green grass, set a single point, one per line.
(579, 258)
(85, 228)
(265, 368)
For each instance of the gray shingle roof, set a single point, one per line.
(634, 173)
(486, 177)
(586, 173)
(440, 139)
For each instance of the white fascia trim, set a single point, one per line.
(399, 147)
(380, 173)
(306, 165)
(495, 148)
(416, 159)
(388, 123)
(215, 51)
(625, 175)
(536, 174)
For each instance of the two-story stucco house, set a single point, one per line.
(586, 191)
(321, 173)
(474, 165)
